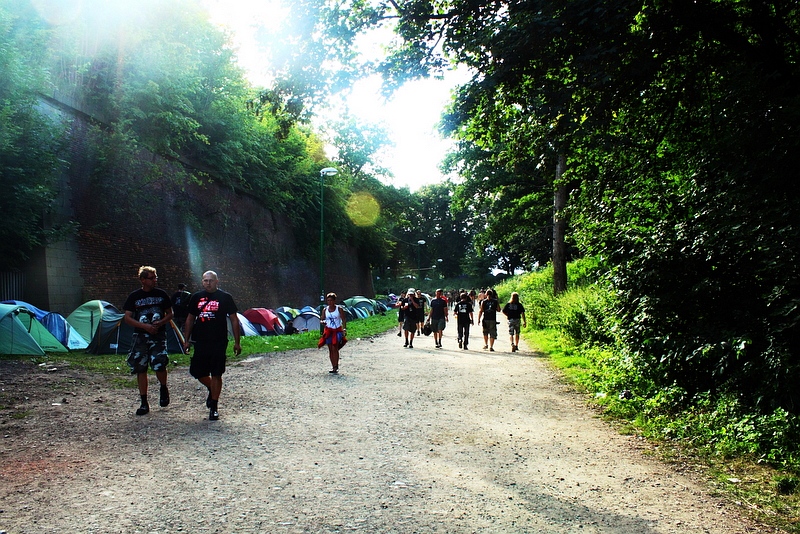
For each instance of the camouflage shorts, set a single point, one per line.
(147, 351)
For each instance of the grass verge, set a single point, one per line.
(114, 364)
(769, 494)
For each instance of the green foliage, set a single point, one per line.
(159, 78)
(579, 334)
(30, 142)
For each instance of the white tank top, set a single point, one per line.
(333, 319)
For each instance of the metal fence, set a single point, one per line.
(12, 284)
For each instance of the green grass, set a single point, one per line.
(114, 364)
(573, 364)
(770, 493)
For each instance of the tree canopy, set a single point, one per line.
(677, 125)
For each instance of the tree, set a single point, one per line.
(676, 122)
(30, 142)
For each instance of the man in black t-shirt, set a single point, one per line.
(180, 305)
(207, 322)
(488, 311)
(514, 311)
(148, 310)
(438, 317)
(463, 313)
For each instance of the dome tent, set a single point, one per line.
(22, 334)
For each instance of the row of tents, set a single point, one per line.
(98, 326)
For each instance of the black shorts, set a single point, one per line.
(209, 358)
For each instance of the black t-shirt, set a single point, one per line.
(462, 310)
(513, 310)
(489, 307)
(211, 311)
(148, 307)
(438, 307)
(180, 303)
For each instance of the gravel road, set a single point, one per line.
(405, 441)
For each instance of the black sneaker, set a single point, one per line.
(213, 414)
(459, 343)
(410, 346)
(334, 371)
(398, 334)
(143, 409)
(163, 399)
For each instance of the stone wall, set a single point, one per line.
(181, 229)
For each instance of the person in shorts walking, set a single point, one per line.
(514, 311)
(148, 310)
(438, 317)
(334, 334)
(401, 313)
(488, 313)
(207, 323)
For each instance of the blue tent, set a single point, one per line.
(56, 324)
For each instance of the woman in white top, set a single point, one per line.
(334, 320)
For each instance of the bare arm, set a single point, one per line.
(187, 331)
(237, 348)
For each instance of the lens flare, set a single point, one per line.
(363, 209)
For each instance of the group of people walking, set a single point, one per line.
(150, 309)
(413, 322)
(204, 318)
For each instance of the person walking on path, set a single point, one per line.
(488, 311)
(420, 311)
(401, 312)
(463, 313)
(410, 317)
(438, 317)
(209, 310)
(180, 305)
(333, 317)
(148, 310)
(514, 310)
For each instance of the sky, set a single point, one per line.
(410, 116)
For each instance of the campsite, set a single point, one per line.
(97, 326)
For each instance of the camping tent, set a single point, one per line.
(115, 336)
(370, 305)
(88, 316)
(307, 320)
(286, 313)
(265, 321)
(56, 324)
(246, 328)
(21, 333)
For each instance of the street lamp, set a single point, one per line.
(419, 260)
(327, 171)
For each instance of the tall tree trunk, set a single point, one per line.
(559, 229)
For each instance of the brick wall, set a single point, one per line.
(181, 229)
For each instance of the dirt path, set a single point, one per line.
(418, 440)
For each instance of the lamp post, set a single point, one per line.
(327, 171)
(419, 260)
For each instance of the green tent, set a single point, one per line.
(88, 316)
(362, 302)
(21, 333)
